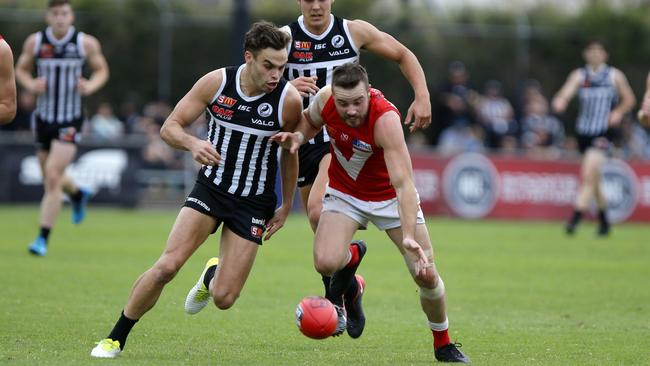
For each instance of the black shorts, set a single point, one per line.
(68, 132)
(600, 142)
(309, 160)
(245, 216)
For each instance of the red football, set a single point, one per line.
(316, 317)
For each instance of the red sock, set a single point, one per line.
(440, 338)
(354, 255)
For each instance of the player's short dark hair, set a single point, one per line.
(55, 3)
(348, 76)
(596, 42)
(263, 35)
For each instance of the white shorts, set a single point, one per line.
(384, 214)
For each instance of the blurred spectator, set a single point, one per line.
(104, 125)
(461, 137)
(24, 109)
(542, 135)
(496, 116)
(158, 110)
(129, 114)
(156, 154)
(456, 101)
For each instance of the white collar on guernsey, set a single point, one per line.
(58, 42)
(239, 89)
(301, 23)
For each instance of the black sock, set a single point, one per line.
(351, 292)
(326, 283)
(122, 329)
(602, 216)
(577, 216)
(208, 276)
(76, 196)
(45, 232)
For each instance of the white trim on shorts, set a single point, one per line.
(383, 214)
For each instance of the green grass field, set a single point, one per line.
(518, 294)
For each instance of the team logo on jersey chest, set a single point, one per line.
(70, 50)
(338, 41)
(302, 45)
(226, 101)
(265, 110)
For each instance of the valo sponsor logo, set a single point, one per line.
(262, 122)
(340, 52)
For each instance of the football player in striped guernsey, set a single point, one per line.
(235, 188)
(605, 96)
(58, 54)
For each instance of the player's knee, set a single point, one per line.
(326, 265)
(433, 289)
(165, 271)
(52, 179)
(224, 299)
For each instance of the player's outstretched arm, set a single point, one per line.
(98, 65)
(291, 114)
(186, 111)
(389, 136)
(7, 84)
(310, 124)
(24, 68)
(567, 92)
(368, 37)
(644, 111)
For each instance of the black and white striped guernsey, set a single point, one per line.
(239, 128)
(318, 55)
(60, 62)
(598, 97)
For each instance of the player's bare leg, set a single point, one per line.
(589, 189)
(53, 164)
(190, 230)
(432, 296)
(333, 256)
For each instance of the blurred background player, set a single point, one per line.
(247, 104)
(370, 179)
(59, 53)
(644, 111)
(605, 96)
(322, 41)
(7, 83)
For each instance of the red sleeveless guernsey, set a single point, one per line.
(358, 167)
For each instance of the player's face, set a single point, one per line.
(352, 104)
(595, 54)
(267, 68)
(60, 18)
(316, 13)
